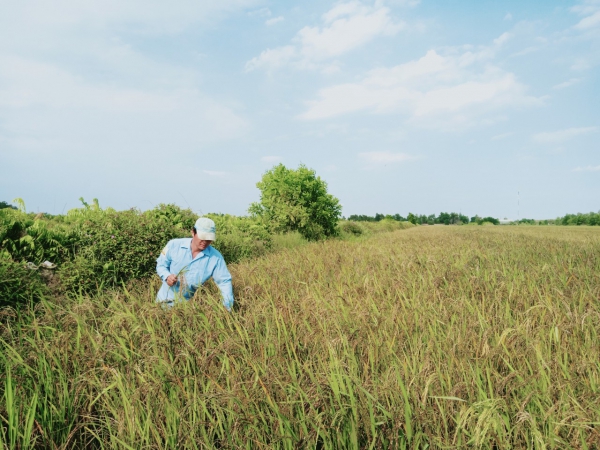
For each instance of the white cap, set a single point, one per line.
(205, 229)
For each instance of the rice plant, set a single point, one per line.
(430, 337)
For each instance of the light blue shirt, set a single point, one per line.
(176, 258)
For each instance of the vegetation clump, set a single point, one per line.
(97, 248)
(241, 237)
(442, 218)
(19, 285)
(297, 200)
(591, 218)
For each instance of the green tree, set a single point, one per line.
(5, 205)
(297, 200)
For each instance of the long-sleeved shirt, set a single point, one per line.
(176, 259)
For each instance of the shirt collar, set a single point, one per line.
(188, 244)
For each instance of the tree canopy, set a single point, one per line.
(297, 200)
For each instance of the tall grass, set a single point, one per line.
(432, 337)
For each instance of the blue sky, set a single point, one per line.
(400, 105)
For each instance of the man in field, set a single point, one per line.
(185, 264)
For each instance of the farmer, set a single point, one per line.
(184, 264)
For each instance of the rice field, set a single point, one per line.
(431, 337)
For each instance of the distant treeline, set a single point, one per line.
(443, 218)
(590, 218)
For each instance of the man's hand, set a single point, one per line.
(171, 280)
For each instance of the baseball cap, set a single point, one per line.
(205, 229)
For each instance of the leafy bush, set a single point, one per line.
(18, 284)
(115, 247)
(297, 200)
(240, 237)
(97, 248)
(26, 237)
(173, 215)
(350, 227)
(489, 220)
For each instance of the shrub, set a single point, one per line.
(350, 227)
(173, 215)
(18, 284)
(33, 238)
(97, 248)
(115, 247)
(297, 200)
(491, 220)
(240, 237)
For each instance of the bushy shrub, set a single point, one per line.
(240, 237)
(297, 200)
(351, 227)
(115, 247)
(28, 237)
(173, 215)
(97, 248)
(18, 284)
(489, 220)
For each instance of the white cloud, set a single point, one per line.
(69, 84)
(145, 16)
(525, 51)
(502, 39)
(508, 16)
(590, 10)
(566, 84)
(384, 157)
(502, 136)
(589, 21)
(406, 3)
(447, 91)
(345, 27)
(215, 173)
(580, 65)
(272, 58)
(46, 108)
(274, 20)
(271, 159)
(586, 7)
(262, 12)
(554, 137)
(587, 169)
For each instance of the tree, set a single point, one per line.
(491, 220)
(297, 200)
(5, 205)
(444, 218)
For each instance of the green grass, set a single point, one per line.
(431, 337)
(288, 241)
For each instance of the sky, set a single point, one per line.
(479, 107)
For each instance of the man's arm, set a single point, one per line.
(222, 278)
(163, 263)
